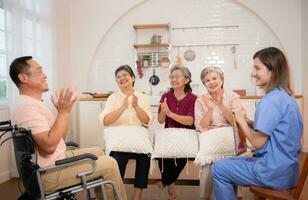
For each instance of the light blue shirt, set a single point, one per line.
(278, 116)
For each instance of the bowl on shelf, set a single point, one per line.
(164, 62)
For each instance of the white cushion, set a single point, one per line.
(134, 139)
(175, 143)
(215, 144)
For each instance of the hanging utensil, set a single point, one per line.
(178, 58)
(189, 55)
(233, 51)
(164, 62)
(154, 80)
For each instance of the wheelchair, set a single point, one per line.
(30, 173)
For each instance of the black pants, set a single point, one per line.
(141, 170)
(171, 169)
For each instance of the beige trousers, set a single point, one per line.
(106, 167)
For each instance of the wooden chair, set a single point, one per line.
(289, 194)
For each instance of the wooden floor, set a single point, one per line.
(10, 189)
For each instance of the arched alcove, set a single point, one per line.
(116, 47)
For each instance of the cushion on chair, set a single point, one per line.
(134, 139)
(215, 144)
(175, 143)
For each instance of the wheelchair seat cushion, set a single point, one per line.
(125, 138)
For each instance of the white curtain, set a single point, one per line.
(29, 31)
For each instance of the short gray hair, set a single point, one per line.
(186, 73)
(185, 70)
(208, 70)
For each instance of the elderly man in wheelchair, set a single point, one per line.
(56, 175)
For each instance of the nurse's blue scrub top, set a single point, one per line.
(278, 116)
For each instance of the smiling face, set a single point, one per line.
(34, 78)
(124, 79)
(261, 73)
(213, 82)
(178, 79)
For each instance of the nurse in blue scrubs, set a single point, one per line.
(275, 133)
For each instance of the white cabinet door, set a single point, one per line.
(155, 125)
(250, 106)
(91, 131)
(300, 104)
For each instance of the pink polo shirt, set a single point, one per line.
(230, 98)
(35, 115)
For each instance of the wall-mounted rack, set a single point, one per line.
(205, 27)
(149, 54)
(205, 45)
(152, 58)
(137, 46)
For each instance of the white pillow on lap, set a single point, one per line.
(215, 144)
(133, 139)
(175, 143)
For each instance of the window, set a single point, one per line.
(20, 34)
(3, 59)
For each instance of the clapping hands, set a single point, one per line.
(164, 107)
(64, 99)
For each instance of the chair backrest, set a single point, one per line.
(302, 177)
(25, 157)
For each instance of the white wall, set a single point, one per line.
(5, 150)
(61, 23)
(252, 34)
(289, 21)
(284, 17)
(91, 20)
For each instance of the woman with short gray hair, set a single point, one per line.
(213, 110)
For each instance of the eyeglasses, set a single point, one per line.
(175, 77)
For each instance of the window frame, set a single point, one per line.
(4, 100)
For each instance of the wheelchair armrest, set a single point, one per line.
(76, 158)
(72, 144)
(87, 157)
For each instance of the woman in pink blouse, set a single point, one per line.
(213, 110)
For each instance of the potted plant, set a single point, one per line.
(146, 61)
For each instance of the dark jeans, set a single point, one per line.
(141, 170)
(172, 169)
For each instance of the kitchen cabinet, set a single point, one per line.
(155, 125)
(249, 103)
(250, 106)
(90, 130)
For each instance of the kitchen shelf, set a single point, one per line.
(149, 54)
(151, 46)
(150, 26)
